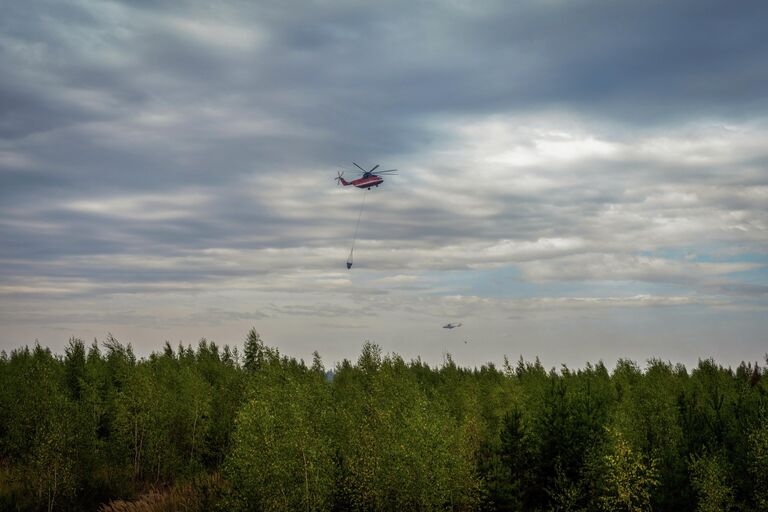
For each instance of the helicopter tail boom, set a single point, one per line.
(341, 181)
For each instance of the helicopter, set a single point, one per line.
(452, 326)
(367, 179)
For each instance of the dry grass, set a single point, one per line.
(197, 496)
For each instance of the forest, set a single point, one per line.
(228, 428)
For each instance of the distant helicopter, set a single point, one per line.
(367, 179)
(451, 326)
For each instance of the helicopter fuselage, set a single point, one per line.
(365, 181)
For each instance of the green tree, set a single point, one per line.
(254, 352)
(52, 464)
(281, 457)
(516, 458)
(629, 477)
(398, 449)
(709, 476)
(134, 418)
(648, 416)
(74, 365)
(758, 463)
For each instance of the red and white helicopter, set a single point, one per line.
(367, 179)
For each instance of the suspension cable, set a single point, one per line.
(357, 227)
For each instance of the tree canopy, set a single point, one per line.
(209, 429)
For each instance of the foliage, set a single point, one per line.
(281, 457)
(396, 448)
(709, 477)
(758, 463)
(629, 477)
(204, 429)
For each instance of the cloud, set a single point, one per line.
(465, 211)
(628, 268)
(152, 151)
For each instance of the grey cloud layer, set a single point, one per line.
(152, 148)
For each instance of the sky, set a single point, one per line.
(578, 180)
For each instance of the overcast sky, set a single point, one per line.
(579, 180)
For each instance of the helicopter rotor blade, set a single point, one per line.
(374, 168)
(359, 167)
